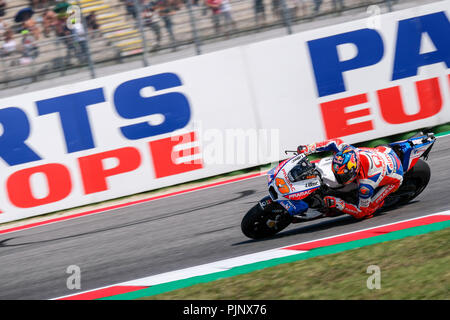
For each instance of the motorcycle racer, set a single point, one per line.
(377, 171)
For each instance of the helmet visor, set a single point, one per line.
(344, 178)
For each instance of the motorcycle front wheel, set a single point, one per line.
(259, 223)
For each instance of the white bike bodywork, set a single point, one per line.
(283, 186)
(298, 179)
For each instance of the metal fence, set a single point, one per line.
(133, 29)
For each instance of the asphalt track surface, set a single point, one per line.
(173, 233)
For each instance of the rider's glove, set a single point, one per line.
(333, 202)
(307, 149)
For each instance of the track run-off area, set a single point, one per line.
(173, 233)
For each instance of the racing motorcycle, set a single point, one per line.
(297, 178)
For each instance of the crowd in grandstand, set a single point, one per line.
(219, 10)
(48, 19)
(42, 19)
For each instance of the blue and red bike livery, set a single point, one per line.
(390, 175)
(377, 172)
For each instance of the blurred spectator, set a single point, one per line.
(131, 7)
(177, 4)
(317, 4)
(32, 26)
(214, 6)
(64, 34)
(338, 3)
(29, 48)
(79, 37)
(304, 6)
(167, 8)
(293, 7)
(2, 8)
(205, 8)
(276, 9)
(38, 4)
(9, 47)
(151, 20)
(3, 27)
(48, 22)
(92, 24)
(131, 10)
(225, 12)
(260, 10)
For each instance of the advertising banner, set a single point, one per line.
(202, 116)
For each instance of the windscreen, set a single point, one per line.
(301, 170)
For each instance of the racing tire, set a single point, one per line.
(414, 182)
(254, 224)
(420, 175)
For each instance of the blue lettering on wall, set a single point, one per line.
(73, 115)
(130, 104)
(408, 58)
(16, 130)
(328, 68)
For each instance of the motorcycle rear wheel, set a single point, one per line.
(414, 182)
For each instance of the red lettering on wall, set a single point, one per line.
(94, 174)
(336, 119)
(165, 157)
(19, 188)
(429, 96)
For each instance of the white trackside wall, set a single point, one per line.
(206, 115)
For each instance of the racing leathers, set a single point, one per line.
(380, 174)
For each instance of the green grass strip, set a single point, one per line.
(179, 284)
(442, 134)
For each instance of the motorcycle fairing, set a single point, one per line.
(411, 150)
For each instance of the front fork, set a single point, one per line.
(295, 211)
(274, 208)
